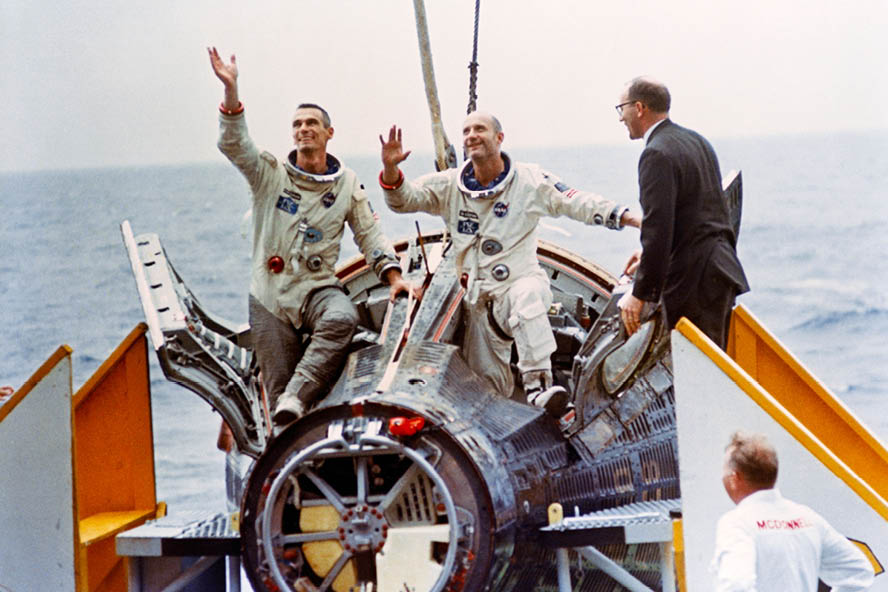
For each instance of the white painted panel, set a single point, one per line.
(36, 490)
(709, 408)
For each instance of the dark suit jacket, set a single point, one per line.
(688, 245)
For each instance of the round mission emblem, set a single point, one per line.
(500, 209)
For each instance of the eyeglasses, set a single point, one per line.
(619, 107)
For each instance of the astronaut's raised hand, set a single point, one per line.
(392, 155)
(227, 73)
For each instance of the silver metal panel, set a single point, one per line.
(642, 522)
(188, 533)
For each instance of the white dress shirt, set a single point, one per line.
(771, 544)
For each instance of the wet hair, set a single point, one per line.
(754, 458)
(653, 94)
(325, 117)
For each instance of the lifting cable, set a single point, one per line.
(473, 65)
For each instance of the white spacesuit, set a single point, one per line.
(298, 221)
(494, 233)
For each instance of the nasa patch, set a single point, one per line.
(287, 204)
(467, 227)
(328, 199)
(500, 209)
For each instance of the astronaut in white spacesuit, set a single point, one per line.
(300, 207)
(492, 207)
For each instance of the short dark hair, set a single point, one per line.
(653, 94)
(754, 458)
(324, 115)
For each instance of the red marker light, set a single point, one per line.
(401, 426)
(275, 264)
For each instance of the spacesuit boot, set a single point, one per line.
(295, 400)
(541, 393)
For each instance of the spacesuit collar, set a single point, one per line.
(467, 172)
(333, 172)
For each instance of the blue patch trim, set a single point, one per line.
(287, 204)
(467, 227)
(561, 187)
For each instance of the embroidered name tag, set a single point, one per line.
(287, 204)
(468, 214)
(467, 227)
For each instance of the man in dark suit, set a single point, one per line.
(687, 255)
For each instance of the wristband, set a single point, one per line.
(397, 183)
(235, 111)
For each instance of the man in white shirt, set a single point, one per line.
(769, 543)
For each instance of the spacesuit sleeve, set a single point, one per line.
(843, 566)
(235, 143)
(427, 194)
(375, 246)
(733, 562)
(560, 200)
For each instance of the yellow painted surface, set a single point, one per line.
(878, 568)
(556, 513)
(106, 524)
(113, 461)
(678, 549)
(322, 555)
(318, 518)
(766, 360)
(792, 425)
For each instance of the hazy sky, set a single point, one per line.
(95, 83)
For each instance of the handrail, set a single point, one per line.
(831, 459)
(778, 371)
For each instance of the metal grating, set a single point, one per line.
(652, 512)
(218, 526)
(415, 505)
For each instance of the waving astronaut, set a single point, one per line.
(299, 211)
(492, 207)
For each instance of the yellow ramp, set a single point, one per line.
(113, 461)
(75, 470)
(715, 395)
(767, 361)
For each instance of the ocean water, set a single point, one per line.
(813, 241)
